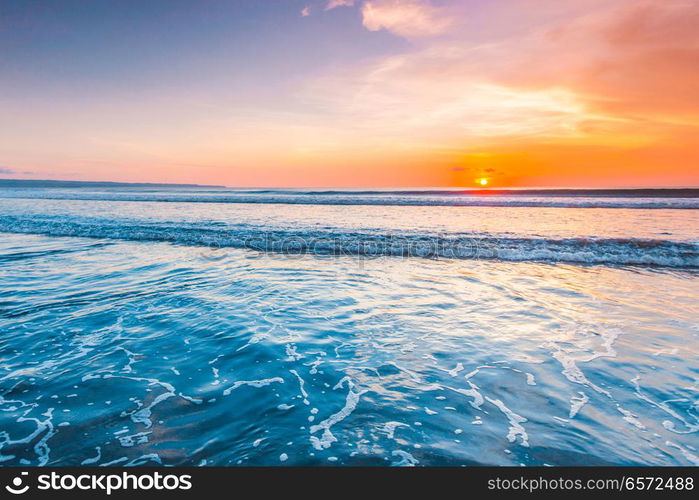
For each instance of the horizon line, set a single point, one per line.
(415, 189)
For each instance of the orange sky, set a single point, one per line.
(408, 93)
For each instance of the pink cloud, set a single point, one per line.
(407, 18)
(333, 4)
(640, 60)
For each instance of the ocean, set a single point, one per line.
(209, 326)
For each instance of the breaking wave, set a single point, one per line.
(369, 243)
(640, 199)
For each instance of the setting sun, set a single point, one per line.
(482, 182)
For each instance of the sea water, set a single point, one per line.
(189, 326)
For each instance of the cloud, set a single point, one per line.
(403, 103)
(333, 4)
(652, 23)
(4, 170)
(638, 61)
(628, 74)
(306, 11)
(406, 18)
(651, 64)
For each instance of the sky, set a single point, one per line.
(352, 93)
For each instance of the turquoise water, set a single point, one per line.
(166, 332)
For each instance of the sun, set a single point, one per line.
(482, 182)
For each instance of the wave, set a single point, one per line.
(554, 199)
(368, 243)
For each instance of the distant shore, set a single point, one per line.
(31, 183)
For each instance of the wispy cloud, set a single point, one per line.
(306, 11)
(420, 99)
(333, 4)
(407, 18)
(6, 171)
(628, 73)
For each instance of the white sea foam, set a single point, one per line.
(134, 439)
(455, 371)
(516, 428)
(291, 353)
(477, 398)
(44, 431)
(253, 383)
(95, 459)
(327, 438)
(630, 417)
(302, 385)
(389, 428)
(406, 459)
(576, 404)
